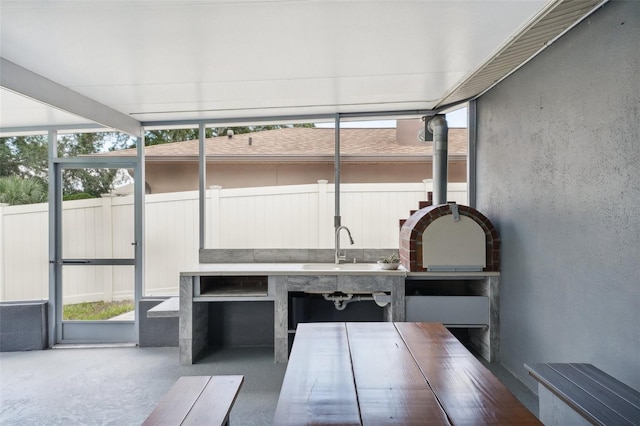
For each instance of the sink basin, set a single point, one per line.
(339, 267)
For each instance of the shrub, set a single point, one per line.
(15, 190)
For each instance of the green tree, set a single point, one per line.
(16, 190)
(221, 131)
(157, 137)
(89, 181)
(27, 157)
(24, 156)
(8, 165)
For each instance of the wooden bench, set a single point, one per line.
(168, 309)
(197, 400)
(577, 394)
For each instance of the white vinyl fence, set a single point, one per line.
(297, 216)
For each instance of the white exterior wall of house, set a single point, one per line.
(559, 176)
(298, 216)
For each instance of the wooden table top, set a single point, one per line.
(390, 373)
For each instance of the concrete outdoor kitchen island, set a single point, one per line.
(212, 283)
(208, 284)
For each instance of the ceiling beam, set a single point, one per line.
(34, 86)
(7, 132)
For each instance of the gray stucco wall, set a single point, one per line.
(559, 175)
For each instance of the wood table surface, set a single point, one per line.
(390, 373)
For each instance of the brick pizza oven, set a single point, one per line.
(449, 237)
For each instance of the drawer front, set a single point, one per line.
(312, 283)
(364, 283)
(454, 310)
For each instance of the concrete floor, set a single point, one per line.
(122, 385)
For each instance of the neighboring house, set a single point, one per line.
(292, 156)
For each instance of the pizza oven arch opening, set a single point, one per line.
(449, 237)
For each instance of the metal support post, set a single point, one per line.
(336, 169)
(202, 185)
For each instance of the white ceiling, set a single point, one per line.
(154, 62)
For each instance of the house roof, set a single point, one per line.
(305, 145)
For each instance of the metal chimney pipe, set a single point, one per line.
(438, 126)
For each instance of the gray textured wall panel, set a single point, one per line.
(23, 326)
(559, 176)
(156, 332)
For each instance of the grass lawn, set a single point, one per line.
(96, 310)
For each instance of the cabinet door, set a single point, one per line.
(449, 310)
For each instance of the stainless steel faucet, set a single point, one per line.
(341, 257)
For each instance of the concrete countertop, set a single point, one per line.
(231, 269)
(204, 269)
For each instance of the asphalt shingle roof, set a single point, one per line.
(302, 142)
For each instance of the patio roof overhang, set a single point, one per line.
(140, 64)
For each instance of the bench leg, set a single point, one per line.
(554, 412)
